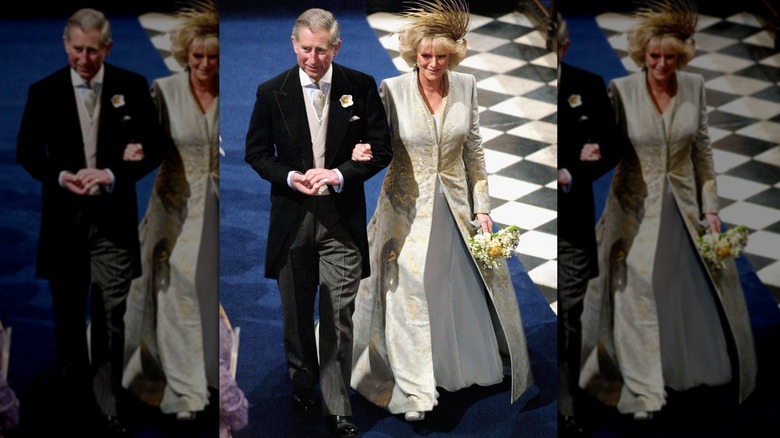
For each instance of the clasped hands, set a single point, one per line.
(81, 182)
(309, 183)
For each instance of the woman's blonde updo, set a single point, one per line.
(440, 23)
(671, 23)
(200, 25)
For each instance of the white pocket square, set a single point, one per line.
(353, 118)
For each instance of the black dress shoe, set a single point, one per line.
(303, 400)
(341, 426)
(115, 427)
(570, 427)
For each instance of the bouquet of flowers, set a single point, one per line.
(719, 248)
(489, 248)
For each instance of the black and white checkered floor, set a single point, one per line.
(736, 56)
(157, 26)
(516, 79)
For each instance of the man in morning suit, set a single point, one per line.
(76, 125)
(317, 232)
(587, 149)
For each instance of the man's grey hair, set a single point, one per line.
(317, 19)
(88, 19)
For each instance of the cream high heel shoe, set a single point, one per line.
(643, 415)
(414, 416)
(185, 415)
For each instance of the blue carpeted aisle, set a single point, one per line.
(705, 411)
(25, 302)
(254, 47)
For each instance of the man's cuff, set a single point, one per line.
(340, 187)
(289, 178)
(109, 188)
(59, 179)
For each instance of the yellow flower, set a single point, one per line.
(495, 251)
(118, 100)
(346, 100)
(724, 251)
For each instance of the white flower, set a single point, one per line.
(346, 100)
(489, 248)
(575, 100)
(719, 248)
(118, 100)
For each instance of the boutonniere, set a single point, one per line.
(575, 100)
(118, 100)
(346, 100)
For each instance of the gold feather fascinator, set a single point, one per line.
(448, 18)
(669, 17)
(195, 20)
(199, 14)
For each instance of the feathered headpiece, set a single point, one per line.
(449, 18)
(196, 19)
(669, 17)
(200, 14)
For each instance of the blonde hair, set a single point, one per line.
(440, 23)
(200, 24)
(670, 23)
(412, 40)
(641, 38)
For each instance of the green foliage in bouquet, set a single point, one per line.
(490, 248)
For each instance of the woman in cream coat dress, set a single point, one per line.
(429, 316)
(651, 318)
(172, 310)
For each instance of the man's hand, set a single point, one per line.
(563, 178)
(302, 184)
(590, 152)
(73, 183)
(92, 177)
(321, 177)
(362, 152)
(134, 152)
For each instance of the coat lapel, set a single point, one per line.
(110, 88)
(338, 115)
(292, 105)
(71, 123)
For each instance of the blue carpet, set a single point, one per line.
(705, 411)
(255, 47)
(25, 302)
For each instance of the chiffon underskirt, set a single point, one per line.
(693, 343)
(465, 349)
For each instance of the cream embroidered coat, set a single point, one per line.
(179, 253)
(628, 231)
(399, 236)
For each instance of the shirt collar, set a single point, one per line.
(306, 81)
(97, 81)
